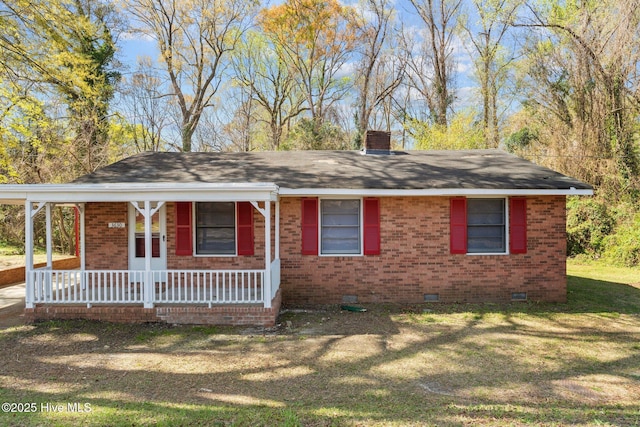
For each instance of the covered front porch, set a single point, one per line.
(147, 289)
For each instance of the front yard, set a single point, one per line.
(521, 364)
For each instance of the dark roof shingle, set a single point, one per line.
(471, 169)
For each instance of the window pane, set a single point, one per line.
(340, 246)
(340, 227)
(215, 230)
(485, 239)
(486, 226)
(216, 214)
(352, 233)
(216, 241)
(485, 212)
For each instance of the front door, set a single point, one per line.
(158, 240)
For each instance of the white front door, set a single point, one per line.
(158, 239)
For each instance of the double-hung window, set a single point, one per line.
(486, 226)
(340, 226)
(215, 228)
(340, 230)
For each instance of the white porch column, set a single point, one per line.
(277, 236)
(28, 251)
(83, 258)
(267, 255)
(148, 281)
(49, 236)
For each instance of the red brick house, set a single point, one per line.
(227, 237)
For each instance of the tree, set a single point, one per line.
(261, 71)
(582, 86)
(146, 107)
(492, 60)
(380, 71)
(431, 68)
(68, 48)
(317, 39)
(195, 39)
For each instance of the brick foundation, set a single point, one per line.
(255, 315)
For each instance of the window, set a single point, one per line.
(486, 226)
(215, 228)
(340, 227)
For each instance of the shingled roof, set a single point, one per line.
(411, 170)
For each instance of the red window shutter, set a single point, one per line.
(372, 226)
(310, 226)
(518, 225)
(245, 228)
(184, 235)
(458, 225)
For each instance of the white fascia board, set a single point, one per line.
(433, 192)
(174, 192)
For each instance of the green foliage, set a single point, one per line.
(311, 135)
(622, 247)
(521, 139)
(599, 230)
(588, 223)
(463, 133)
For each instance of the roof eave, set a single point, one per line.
(124, 192)
(572, 191)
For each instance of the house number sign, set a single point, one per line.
(116, 225)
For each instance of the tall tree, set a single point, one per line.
(66, 48)
(491, 58)
(262, 72)
(195, 39)
(581, 78)
(432, 68)
(317, 38)
(146, 106)
(380, 70)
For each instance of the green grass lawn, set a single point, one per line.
(446, 365)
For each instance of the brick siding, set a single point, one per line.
(414, 258)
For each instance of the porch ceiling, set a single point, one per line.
(129, 192)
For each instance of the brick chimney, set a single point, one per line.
(377, 142)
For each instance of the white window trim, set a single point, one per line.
(194, 232)
(506, 228)
(361, 228)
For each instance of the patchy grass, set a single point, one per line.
(447, 365)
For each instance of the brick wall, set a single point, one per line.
(11, 276)
(216, 262)
(415, 259)
(106, 248)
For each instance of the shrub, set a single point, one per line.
(589, 221)
(623, 246)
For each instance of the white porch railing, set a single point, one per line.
(168, 286)
(212, 287)
(89, 287)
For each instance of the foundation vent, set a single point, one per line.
(518, 296)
